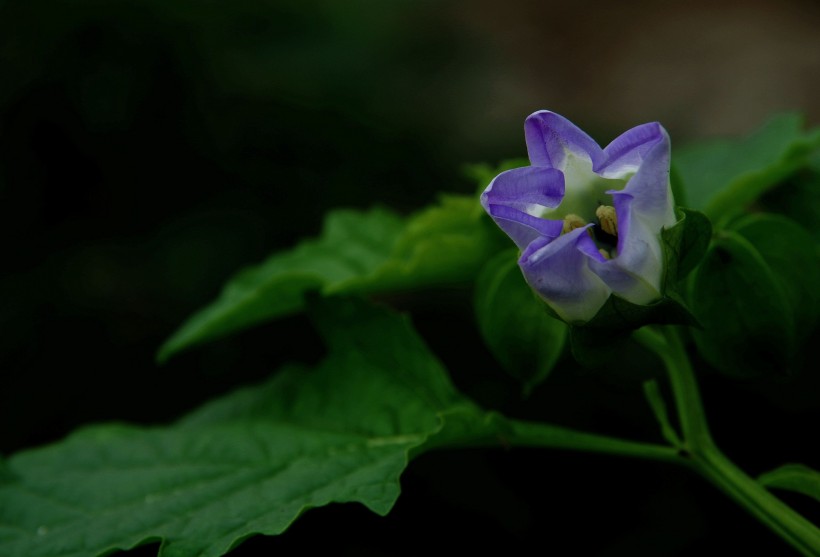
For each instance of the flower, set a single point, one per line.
(588, 220)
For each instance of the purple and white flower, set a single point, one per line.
(588, 220)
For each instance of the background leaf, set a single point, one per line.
(799, 199)
(794, 477)
(722, 177)
(748, 328)
(374, 251)
(525, 339)
(248, 463)
(793, 257)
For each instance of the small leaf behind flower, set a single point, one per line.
(365, 252)
(794, 477)
(525, 339)
(684, 245)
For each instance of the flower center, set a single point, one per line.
(584, 190)
(604, 231)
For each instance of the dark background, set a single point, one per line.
(149, 149)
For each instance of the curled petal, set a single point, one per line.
(559, 270)
(627, 152)
(522, 227)
(550, 137)
(516, 198)
(522, 188)
(643, 207)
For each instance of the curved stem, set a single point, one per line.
(707, 459)
(671, 351)
(759, 502)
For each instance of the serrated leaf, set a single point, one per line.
(248, 463)
(794, 477)
(519, 332)
(374, 251)
(722, 177)
(748, 328)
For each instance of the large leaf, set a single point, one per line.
(748, 326)
(722, 177)
(793, 255)
(248, 463)
(374, 251)
(794, 477)
(525, 339)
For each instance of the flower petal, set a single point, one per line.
(625, 154)
(650, 189)
(551, 136)
(643, 208)
(524, 187)
(521, 227)
(516, 198)
(559, 270)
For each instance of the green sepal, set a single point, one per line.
(684, 245)
(593, 342)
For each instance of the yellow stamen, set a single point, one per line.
(571, 222)
(605, 253)
(608, 219)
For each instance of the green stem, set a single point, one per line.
(497, 430)
(692, 418)
(759, 502)
(707, 459)
(529, 434)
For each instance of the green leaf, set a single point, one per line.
(799, 199)
(748, 328)
(446, 244)
(684, 245)
(374, 251)
(249, 463)
(524, 338)
(723, 177)
(792, 255)
(794, 477)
